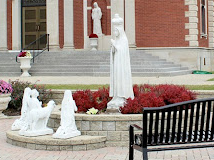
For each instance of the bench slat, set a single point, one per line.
(208, 120)
(168, 125)
(156, 127)
(162, 126)
(212, 127)
(191, 121)
(174, 124)
(196, 121)
(202, 121)
(179, 123)
(150, 128)
(185, 123)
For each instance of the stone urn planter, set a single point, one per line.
(93, 41)
(25, 65)
(4, 100)
(93, 44)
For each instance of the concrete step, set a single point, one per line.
(86, 63)
(105, 74)
(60, 69)
(36, 66)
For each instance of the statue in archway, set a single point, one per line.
(96, 17)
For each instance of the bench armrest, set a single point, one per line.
(136, 126)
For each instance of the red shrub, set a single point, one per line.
(84, 100)
(136, 105)
(101, 99)
(173, 93)
(88, 99)
(156, 96)
(145, 96)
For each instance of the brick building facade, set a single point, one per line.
(166, 28)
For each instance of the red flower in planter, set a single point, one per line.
(22, 54)
(93, 36)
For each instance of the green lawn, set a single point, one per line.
(211, 79)
(95, 87)
(74, 86)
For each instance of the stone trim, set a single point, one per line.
(193, 23)
(80, 143)
(211, 22)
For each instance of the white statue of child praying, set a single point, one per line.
(67, 127)
(22, 121)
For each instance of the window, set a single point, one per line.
(203, 19)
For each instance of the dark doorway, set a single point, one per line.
(33, 24)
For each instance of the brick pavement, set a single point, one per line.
(10, 152)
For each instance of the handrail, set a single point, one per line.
(36, 46)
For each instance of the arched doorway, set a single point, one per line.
(33, 23)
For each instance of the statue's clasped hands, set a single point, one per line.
(113, 45)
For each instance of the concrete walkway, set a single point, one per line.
(191, 79)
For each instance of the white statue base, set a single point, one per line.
(65, 134)
(36, 133)
(116, 103)
(18, 124)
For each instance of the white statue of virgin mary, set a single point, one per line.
(96, 17)
(120, 69)
(67, 127)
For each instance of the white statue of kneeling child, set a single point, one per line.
(67, 127)
(37, 117)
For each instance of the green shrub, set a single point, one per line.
(18, 91)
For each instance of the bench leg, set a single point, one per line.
(131, 142)
(145, 154)
(131, 153)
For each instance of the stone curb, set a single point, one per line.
(80, 143)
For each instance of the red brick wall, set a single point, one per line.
(106, 16)
(9, 24)
(78, 24)
(61, 23)
(161, 23)
(203, 41)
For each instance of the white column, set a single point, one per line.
(85, 17)
(52, 9)
(68, 24)
(211, 23)
(3, 25)
(117, 6)
(130, 22)
(16, 24)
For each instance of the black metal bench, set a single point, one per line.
(176, 124)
